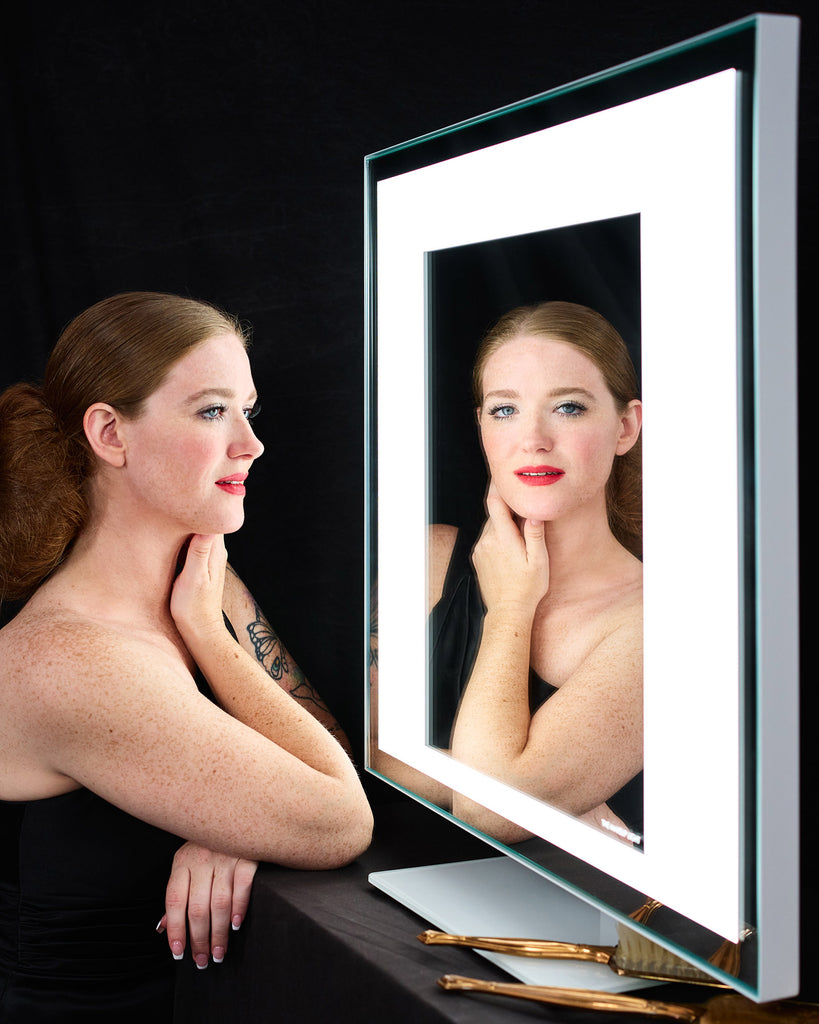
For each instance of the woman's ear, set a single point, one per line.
(102, 424)
(630, 424)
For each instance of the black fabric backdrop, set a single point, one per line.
(215, 148)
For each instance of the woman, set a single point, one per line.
(132, 718)
(540, 646)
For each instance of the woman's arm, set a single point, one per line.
(120, 716)
(440, 543)
(208, 892)
(493, 716)
(585, 742)
(386, 764)
(260, 640)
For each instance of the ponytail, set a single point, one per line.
(42, 506)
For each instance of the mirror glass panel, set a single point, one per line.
(631, 193)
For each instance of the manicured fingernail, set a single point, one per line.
(160, 928)
(236, 923)
(201, 960)
(218, 954)
(177, 949)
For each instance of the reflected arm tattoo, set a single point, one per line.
(374, 636)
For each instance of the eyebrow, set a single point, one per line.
(216, 393)
(554, 393)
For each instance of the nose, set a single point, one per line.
(245, 444)
(537, 435)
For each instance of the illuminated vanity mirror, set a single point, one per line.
(661, 194)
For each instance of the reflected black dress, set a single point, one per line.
(82, 889)
(455, 627)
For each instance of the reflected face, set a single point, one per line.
(189, 452)
(550, 428)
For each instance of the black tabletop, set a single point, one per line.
(328, 946)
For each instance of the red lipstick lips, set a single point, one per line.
(539, 476)
(233, 484)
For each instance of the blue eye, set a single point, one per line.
(502, 412)
(213, 412)
(571, 409)
(253, 411)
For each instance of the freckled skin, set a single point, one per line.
(562, 595)
(98, 687)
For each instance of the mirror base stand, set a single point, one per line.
(499, 897)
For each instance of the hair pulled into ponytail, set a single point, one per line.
(119, 352)
(42, 506)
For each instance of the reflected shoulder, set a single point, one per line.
(440, 544)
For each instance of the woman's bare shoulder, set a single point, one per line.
(440, 545)
(54, 652)
(70, 686)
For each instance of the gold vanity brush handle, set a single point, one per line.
(578, 998)
(544, 948)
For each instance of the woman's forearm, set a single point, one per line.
(492, 725)
(247, 693)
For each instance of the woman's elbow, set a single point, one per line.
(332, 837)
(352, 837)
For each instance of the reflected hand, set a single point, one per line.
(511, 561)
(207, 896)
(198, 591)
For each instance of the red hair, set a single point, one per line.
(119, 352)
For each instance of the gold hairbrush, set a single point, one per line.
(730, 1008)
(633, 956)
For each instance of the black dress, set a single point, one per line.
(82, 889)
(456, 623)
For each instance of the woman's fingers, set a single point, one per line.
(205, 560)
(176, 909)
(198, 591)
(511, 560)
(207, 892)
(534, 536)
(499, 513)
(207, 896)
(243, 876)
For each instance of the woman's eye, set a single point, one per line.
(213, 412)
(571, 408)
(502, 412)
(253, 411)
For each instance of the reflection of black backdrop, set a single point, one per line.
(470, 287)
